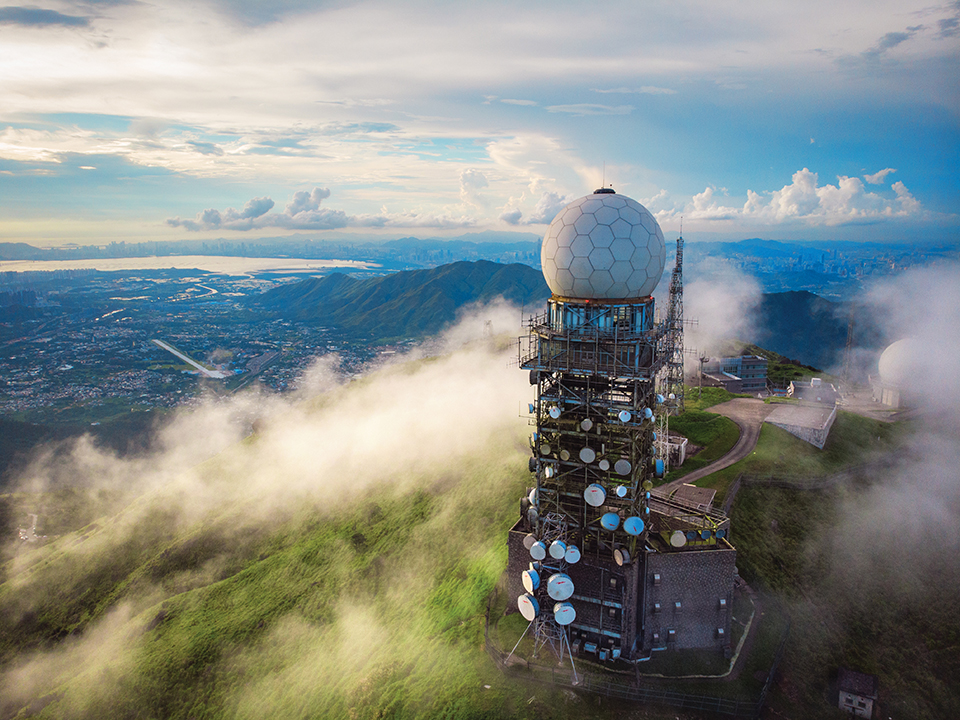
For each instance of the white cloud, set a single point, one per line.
(543, 213)
(303, 212)
(804, 201)
(877, 177)
(509, 101)
(583, 109)
(643, 90)
(472, 181)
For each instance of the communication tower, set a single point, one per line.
(596, 358)
(673, 375)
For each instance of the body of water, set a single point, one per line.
(210, 263)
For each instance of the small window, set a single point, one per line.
(656, 637)
(677, 606)
(720, 632)
(656, 578)
(613, 582)
(656, 607)
(613, 612)
(671, 634)
(723, 603)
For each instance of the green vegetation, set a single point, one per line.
(854, 441)
(781, 370)
(409, 304)
(876, 616)
(697, 398)
(715, 434)
(372, 609)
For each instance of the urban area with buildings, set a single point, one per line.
(82, 342)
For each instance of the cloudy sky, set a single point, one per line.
(129, 120)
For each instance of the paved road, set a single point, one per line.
(748, 414)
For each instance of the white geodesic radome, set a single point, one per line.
(603, 247)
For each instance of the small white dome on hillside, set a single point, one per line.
(898, 362)
(603, 247)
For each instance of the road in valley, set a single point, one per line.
(748, 414)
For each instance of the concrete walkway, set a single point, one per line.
(748, 414)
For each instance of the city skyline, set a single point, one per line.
(126, 121)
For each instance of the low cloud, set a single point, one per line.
(304, 212)
(916, 497)
(720, 301)
(444, 426)
(546, 209)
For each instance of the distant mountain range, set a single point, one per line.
(408, 304)
(418, 303)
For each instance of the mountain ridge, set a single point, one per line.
(410, 303)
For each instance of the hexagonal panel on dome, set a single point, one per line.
(606, 215)
(640, 258)
(564, 257)
(616, 201)
(601, 282)
(619, 290)
(581, 246)
(630, 215)
(585, 223)
(622, 248)
(621, 272)
(591, 205)
(640, 236)
(601, 236)
(601, 258)
(586, 260)
(566, 235)
(581, 267)
(582, 288)
(621, 228)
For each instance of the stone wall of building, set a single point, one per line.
(687, 598)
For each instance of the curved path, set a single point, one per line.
(748, 414)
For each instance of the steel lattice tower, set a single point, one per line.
(598, 556)
(673, 385)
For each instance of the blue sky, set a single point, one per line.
(214, 118)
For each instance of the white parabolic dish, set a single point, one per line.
(603, 247)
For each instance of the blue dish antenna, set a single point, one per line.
(610, 521)
(559, 586)
(528, 606)
(594, 495)
(558, 549)
(564, 613)
(633, 525)
(538, 551)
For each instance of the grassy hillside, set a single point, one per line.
(406, 304)
(898, 623)
(854, 441)
(715, 434)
